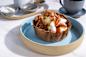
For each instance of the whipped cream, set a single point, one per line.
(53, 27)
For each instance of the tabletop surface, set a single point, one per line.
(11, 46)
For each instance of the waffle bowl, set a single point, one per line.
(48, 35)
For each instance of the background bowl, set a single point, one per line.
(71, 42)
(27, 8)
(7, 11)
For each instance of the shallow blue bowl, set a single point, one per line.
(73, 39)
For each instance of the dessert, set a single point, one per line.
(51, 26)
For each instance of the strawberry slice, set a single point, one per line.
(57, 23)
(61, 29)
(61, 22)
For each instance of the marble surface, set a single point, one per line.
(11, 46)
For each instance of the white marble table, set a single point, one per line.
(11, 46)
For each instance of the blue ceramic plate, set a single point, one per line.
(74, 34)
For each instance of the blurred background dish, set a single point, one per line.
(27, 8)
(39, 1)
(7, 11)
